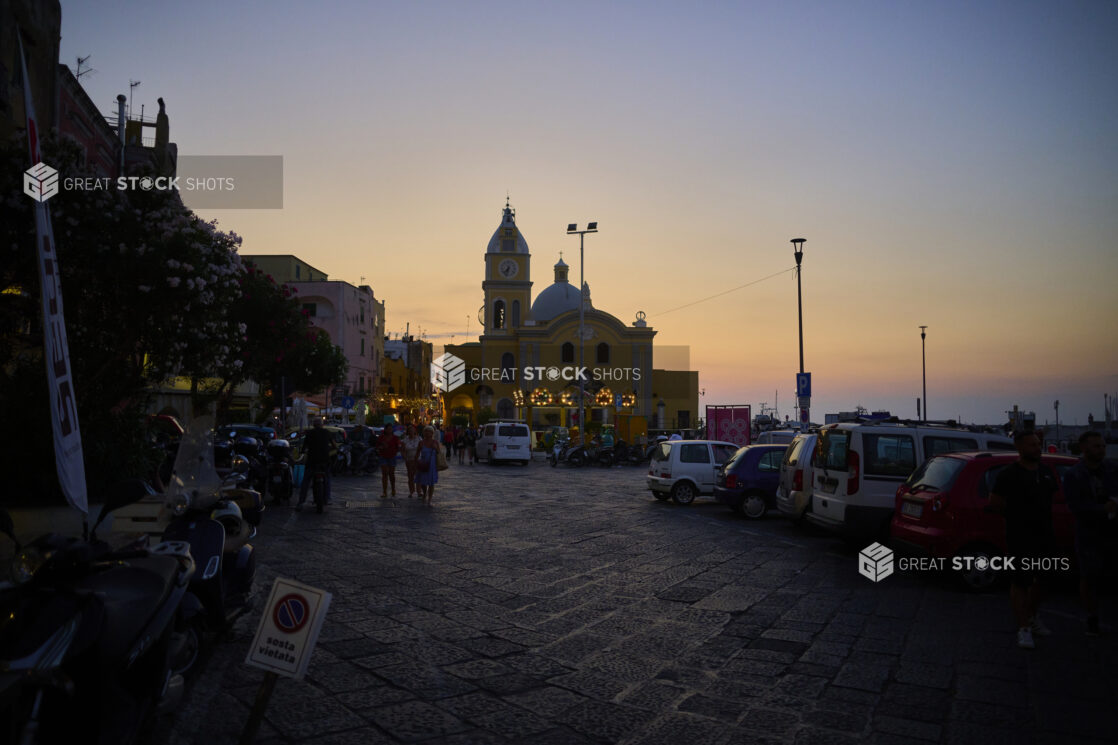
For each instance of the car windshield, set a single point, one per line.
(937, 474)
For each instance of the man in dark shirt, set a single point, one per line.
(1091, 488)
(1023, 492)
(317, 447)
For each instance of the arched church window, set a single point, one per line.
(568, 352)
(508, 368)
(506, 409)
(603, 354)
(499, 314)
(516, 314)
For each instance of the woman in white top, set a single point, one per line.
(410, 445)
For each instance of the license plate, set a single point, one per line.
(513, 447)
(912, 509)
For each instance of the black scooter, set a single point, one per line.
(87, 635)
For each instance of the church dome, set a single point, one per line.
(559, 298)
(507, 238)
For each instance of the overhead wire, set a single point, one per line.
(725, 292)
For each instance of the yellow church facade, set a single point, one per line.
(530, 363)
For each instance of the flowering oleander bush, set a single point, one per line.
(151, 292)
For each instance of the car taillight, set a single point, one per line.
(732, 481)
(798, 480)
(494, 447)
(853, 467)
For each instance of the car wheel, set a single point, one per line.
(975, 579)
(754, 506)
(575, 460)
(683, 492)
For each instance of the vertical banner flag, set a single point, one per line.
(56, 349)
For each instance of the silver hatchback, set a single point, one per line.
(793, 494)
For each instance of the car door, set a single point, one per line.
(696, 465)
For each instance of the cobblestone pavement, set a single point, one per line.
(543, 605)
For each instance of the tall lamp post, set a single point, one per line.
(1057, 407)
(924, 370)
(572, 229)
(798, 252)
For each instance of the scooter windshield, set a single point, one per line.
(195, 474)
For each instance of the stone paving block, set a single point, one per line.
(908, 728)
(679, 728)
(425, 681)
(990, 690)
(862, 676)
(549, 701)
(726, 710)
(967, 733)
(576, 647)
(414, 721)
(303, 718)
(367, 735)
(513, 723)
(342, 676)
(490, 646)
(844, 721)
(924, 674)
(816, 736)
(601, 721)
(370, 698)
(590, 684)
(731, 599)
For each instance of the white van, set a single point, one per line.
(683, 469)
(858, 467)
(504, 440)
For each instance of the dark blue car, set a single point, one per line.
(748, 481)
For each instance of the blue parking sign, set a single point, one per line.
(803, 384)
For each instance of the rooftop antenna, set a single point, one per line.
(132, 85)
(88, 71)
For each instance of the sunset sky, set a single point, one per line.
(953, 164)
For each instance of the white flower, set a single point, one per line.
(174, 281)
(145, 288)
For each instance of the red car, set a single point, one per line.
(940, 512)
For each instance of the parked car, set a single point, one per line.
(747, 482)
(504, 441)
(684, 469)
(776, 436)
(858, 467)
(940, 511)
(793, 493)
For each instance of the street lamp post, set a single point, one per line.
(924, 370)
(572, 229)
(798, 252)
(1057, 407)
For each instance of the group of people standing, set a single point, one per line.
(1024, 492)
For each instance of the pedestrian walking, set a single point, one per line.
(460, 445)
(471, 444)
(317, 445)
(410, 447)
(1023, 493)
(427, 465)
(1091, 489)
(387, 449)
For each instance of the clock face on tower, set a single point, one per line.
(508, 268)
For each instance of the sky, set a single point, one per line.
(950, 164)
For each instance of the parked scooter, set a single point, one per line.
(87, 635)
(217, 520)
(280, 483)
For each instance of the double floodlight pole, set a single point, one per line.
(572, 229)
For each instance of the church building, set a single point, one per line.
(530, 363)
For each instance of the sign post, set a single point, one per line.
(803, 395)
(285, 638)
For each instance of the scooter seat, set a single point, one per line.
(130, 593)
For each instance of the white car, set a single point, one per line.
(793, 494)
(504, 441)
(684, 469)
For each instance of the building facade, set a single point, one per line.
(531, 363)
(354, 320)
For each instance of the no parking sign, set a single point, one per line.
(289, 628)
